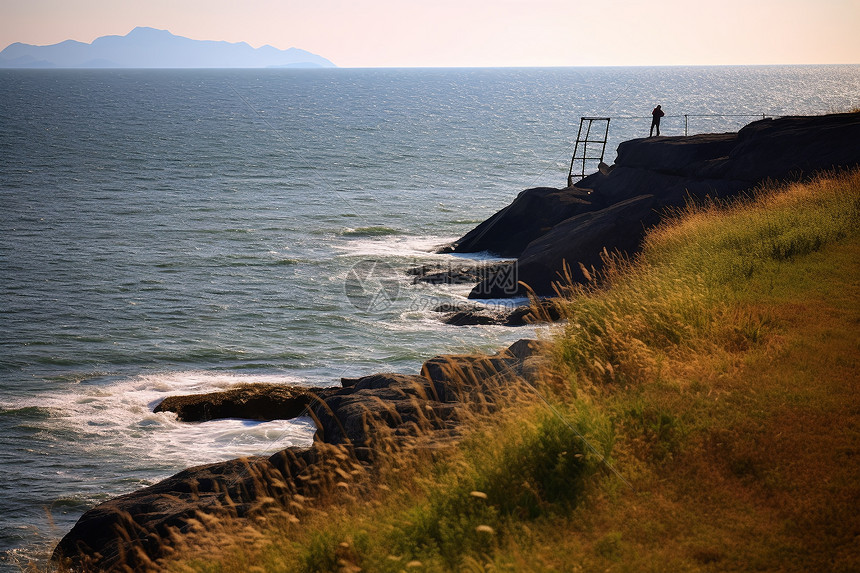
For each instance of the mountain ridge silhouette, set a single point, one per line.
(146, 47)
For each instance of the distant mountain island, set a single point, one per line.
(151, 48)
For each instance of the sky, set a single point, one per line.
(466, 33)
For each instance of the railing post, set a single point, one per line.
(685, 124)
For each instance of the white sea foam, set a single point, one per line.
(424, 247)
(116, 419)
(394, 246)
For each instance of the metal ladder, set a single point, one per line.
(579, 160)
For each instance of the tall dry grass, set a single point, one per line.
(682, 293)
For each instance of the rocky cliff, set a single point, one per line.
(545, 228)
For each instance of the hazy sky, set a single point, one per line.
(380, 33)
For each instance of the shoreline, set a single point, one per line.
(690, 164)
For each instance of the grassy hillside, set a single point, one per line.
(697, 411)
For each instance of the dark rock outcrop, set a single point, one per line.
(252, 402)
(461, 315)
(541, 311)
(581, 239)
(791, 148)
(669, 189)
(113, 532)
(670, 171)
(459, 273)
(474, 317)
(531, 214)
(675, 155)
(384, 405)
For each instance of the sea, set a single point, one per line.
(169, 232)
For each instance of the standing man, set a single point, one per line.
(655, 121)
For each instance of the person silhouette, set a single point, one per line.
(656, 114)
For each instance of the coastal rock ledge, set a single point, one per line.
(546, 228)
(354, 421)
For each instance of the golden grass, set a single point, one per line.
(764, 473)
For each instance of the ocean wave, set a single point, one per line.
(395, 246)
(26, 412)
(373, 231)
(116, 419)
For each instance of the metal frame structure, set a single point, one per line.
(585, 142)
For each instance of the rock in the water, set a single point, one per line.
(455, 274)
(543, 311)
(473, 318)
(531, 214)
(251, 402)
(579, 240)
(472, 378)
